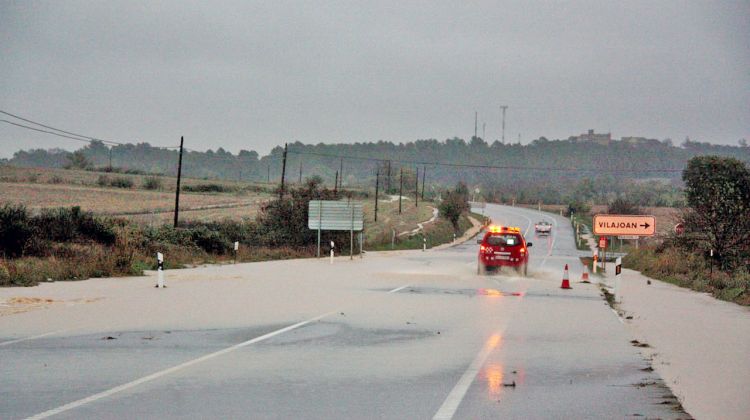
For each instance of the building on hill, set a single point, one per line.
(637, 140)
(590, 136)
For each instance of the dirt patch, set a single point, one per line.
(20, 304)
(29, 301)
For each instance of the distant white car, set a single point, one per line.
(543, 227)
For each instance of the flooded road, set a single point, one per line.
(405, 334)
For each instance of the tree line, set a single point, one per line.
(545, 170)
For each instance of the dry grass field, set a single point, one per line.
(113, 201)
(13, 174)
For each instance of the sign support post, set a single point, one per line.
(320, 223)
(351, 237)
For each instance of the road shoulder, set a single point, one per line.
(699, 345)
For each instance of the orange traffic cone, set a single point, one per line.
(585, 275)
(566, 279)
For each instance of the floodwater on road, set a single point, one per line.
(404, 334)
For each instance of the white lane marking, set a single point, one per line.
(34, 337)
(451, 403)
(173, 369)
(618, 317)
(554, 238)
(398, 288)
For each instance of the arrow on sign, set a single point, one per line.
(645, 225)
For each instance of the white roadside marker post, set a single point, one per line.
(236, 248)
(160, 271)
(332, 246)
(594, 265)
(618, 279)
(424, 243)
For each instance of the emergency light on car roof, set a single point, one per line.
(498, 229)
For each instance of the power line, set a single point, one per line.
(56, 129)
(67, 134)
(481, 166)
(45, 131)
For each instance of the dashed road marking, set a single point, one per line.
(173, 369)
(34, 337)
(398, 288)
(451, 403)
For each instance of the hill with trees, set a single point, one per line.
(552, 171)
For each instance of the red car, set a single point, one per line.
(503, 246)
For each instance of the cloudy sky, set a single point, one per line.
(244, 75)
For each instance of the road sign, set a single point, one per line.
(602, 242)
(335, 215)
(679, 229)
(619, 224)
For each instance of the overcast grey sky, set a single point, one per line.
(253, 75)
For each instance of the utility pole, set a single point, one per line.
(110, 158)
(416, 188)
(377, 188)
(283, 173)
(503, 107)
(388, 188)
(336, 184)
(476, 116)
(177, 192)
(341, 173)
(300, 171)
(400, 190)
(268, 172)
(424, 173)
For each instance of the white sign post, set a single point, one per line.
(160, 271)
(236, 248)
(618, 279)
(332, 246)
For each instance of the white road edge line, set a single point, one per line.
(618, 317)
(34, 337)
(173, 369)
(451, 403)
(398, 288)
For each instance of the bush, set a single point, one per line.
(103, 181)
(152, 183)
(71, 224)
(121, 182)
(56, 180)
(4, 275)
(623, 206)
(206, 188)
(454, 204)
(16, 229)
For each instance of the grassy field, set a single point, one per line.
(117, 201)
(390, 220)
(39, 188)
(13, 174)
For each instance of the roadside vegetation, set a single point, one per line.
(712, 254)
(68, 243)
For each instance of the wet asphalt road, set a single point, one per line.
(394, 335)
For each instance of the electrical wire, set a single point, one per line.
(66, 134)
